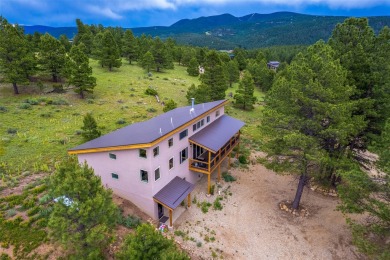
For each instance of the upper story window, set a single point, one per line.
(208, 119)
(183, 155)
(114, 175)
(170, 142)
(112, 156)
(142, 153)
(144, 176)
(198, 125)
(156, 151)
(217, 113)
(157, 174)
(171, 163)
(183, 134)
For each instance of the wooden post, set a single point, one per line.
(189, 200)
(219, 173)
(229, 161)
(208, 183)
(170, 218)
(209, 161)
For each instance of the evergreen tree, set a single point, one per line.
(90, 128)
(188, 54)
(193, 67)
(262, 76)
(308, 120)
(17, 62)
(110, 55)
(129, 46)
(169, 105)
(65, 42)
(232, 72)
(79, 73)
(148, 243)
(147, 61)
(52, 56)
(240, 57)
(214, 76)
(84, 216)
(162, 58)
(244, 96)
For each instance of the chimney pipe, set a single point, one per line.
(192, 103)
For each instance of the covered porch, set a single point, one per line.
(213, 144)
(172, 195)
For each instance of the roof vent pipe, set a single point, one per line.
(192, 104)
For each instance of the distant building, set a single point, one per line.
(155, 164)
(273, 65)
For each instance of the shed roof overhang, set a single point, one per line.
(216, 135)
(172, 194)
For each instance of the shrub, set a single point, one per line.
(205, 206)
(151, 110)
(33, 211)
(212, 188)
(179, 233)
(217, 204)
(227, 177)
(58, 88)
(46, 115)
(3, 109)
(12, 131)
(60, 101)
(199, 244)
(25, 106)
(151, 91)
(121, 121)
(129, 221)
(32, 101)
(242, 159)
(10, 213)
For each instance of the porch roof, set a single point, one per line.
(174, 192)
(216, 135)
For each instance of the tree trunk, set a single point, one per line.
(301, 184)
(55, 78)
(82, 94)
(16, 90)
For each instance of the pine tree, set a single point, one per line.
(232, 72)
(84, 216)
(262, 76)
(17, 62)
(162, 58)
(110, 55)
(308, 120)
(78, 71)
(52, 56)
(244, 96)
(90, 128)
(169, 105)
(129, 46)
(147, 61)
(148, 243)
(193, 67)
(65, 42)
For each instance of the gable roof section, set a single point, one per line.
(216, 135)
(147, 133)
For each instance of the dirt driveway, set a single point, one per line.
(251, 226)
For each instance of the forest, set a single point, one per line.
(315, 117)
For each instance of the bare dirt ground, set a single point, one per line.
(251, 225)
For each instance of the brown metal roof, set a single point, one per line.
(174, 192)
(150, 130)
(218, 133)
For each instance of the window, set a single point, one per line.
(144, 176)
(157, 174)
(198, 125)
(217, 113)
(208, 119)
(183, 155)
(170, 142)
(171, 163)
(202, 122)
(183, 134)
(114, 175)
(112, 156)
(142, 153)
(194, 127)
(156, 151)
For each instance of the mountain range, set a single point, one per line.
(250, 31)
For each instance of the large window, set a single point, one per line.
(183, 155)
(156, 151)
(144, 176)
(183, 134)
(157, 174)
(170, 142)
(142, 153)
(171, 163)
(112, 156)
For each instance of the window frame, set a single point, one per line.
(147, 176)
(159, 173)
(169, 163)
(186, 155)
(112, 156)
(115, 176)
(208, 119)
(186, 134)
(217, 113)
(139, 153)
(170, 142)
(157, 148)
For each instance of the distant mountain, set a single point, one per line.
(250, 31)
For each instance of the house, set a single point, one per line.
(273, 65)
(155, 164)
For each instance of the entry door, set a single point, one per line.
(160, 210)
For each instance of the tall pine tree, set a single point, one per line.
(52, 56)
(109, 54)
(244, 95)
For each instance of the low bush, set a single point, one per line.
(3, 109)
(121, 121)
(12, 131)
(25, 106)
(129, 221)
(227, 177)
(151, 110)
(151, 91)
(217, 204)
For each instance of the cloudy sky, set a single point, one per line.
(138, 13)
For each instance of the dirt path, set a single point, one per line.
(251, 226)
